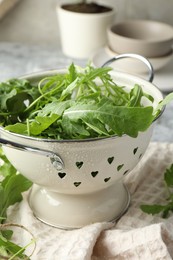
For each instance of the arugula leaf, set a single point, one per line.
(70, 87)
(15, 97)
(17, 103)
(135, 96)
(19, 128)
(12, 184)
(72, 73)
(5, 97)
(74, 129)
(11, 248)
(82, 103)
(6, 167)
(153, 209)
(168, 207)
(165, 101)
(119, 120)
(97, 127)
(168, 176)
(55, 107)
(41, 123)
(12, 188)
(7, 234)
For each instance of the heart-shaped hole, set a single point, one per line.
(140, 156)
(94, 173)
(107, 179)
(119, 167)
(110, 159)
(135, 150)
(61, 174)
(77, 184)
(125, 172)
(79, 164)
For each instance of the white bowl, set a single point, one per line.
(134, 65)
(80, 182)
(144, 37)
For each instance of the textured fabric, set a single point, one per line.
(135, 236)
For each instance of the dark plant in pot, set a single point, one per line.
(86, 7)
(82, 27)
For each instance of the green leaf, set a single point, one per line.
(74, 129)
(72, 73)
(11, 191)
(12, 248)
(7, 234)
(121, 120)
(164, 209)
(168, 176)
(12, 185)
(5, 97)
(96, 126)
(19, 128)
(18, 102)
(165, 101)
(153, 209)
(70, 87)
(88, 97)
(93, 73)
(55, 107)
(135, 96)
(41, 123)
(6, 168)
(14, 87)
(133, 120)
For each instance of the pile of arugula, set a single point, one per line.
(82, 103)
(12, 184)
(168, 207)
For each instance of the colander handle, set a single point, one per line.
(56, 160)
(134, 56)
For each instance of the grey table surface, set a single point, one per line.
(17, 59)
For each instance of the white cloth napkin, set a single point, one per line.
(135, 236)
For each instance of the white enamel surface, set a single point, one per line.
(73, 211)
(94, 155)
(81, 34)
(103, 164)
